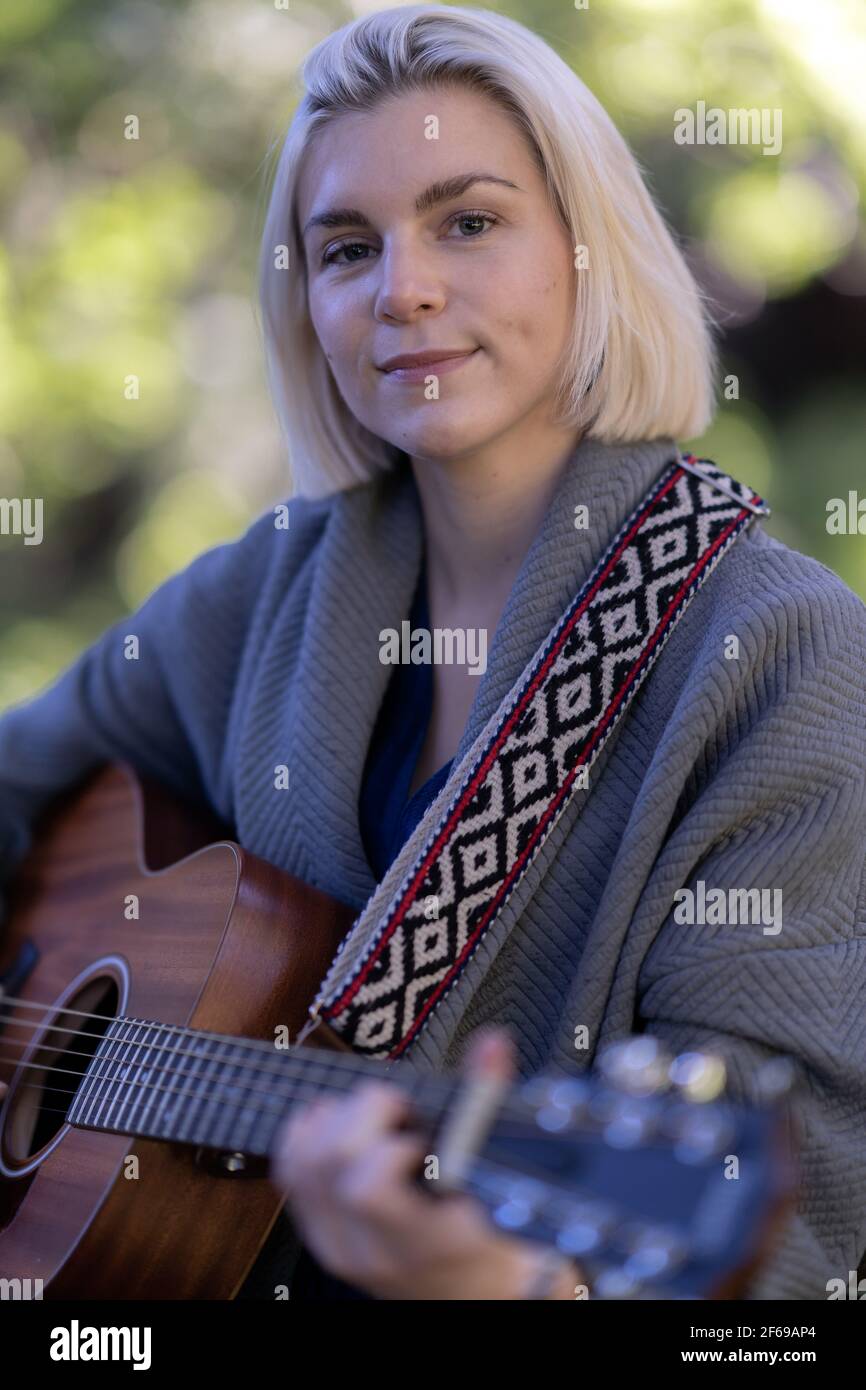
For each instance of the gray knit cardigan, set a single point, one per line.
(744, 773)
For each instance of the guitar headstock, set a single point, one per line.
(642, 1171)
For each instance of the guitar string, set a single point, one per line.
(220, 1095)
(297, 1064)
(475, 1182)
(298, 1087)
(471, 1180)
(433, 1105)
(272, 1063)
(334, 1069)
(503, 1130)
(54, 1110)
(129, 1059)
(363, 1066)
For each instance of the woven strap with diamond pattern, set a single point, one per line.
(553, 724)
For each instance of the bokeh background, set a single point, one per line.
(126, 256)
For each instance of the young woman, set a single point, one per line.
(483, 344)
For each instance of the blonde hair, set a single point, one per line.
(641, 359)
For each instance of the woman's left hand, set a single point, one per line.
(348, 1177)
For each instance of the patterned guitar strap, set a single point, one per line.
(476, 842)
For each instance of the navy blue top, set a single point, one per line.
(387, 818)
(387, 814)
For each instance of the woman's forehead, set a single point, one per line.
(368, 153)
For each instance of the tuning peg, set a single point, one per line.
(699, 1076)
(638, 1065)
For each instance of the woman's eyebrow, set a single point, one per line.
(440, 192)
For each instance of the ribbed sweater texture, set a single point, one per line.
(744, 773)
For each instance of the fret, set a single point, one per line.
(120, 1040)
(184, 1086)
(159, 1077)
(140, 1092)
(266, 1120)
(176, 1083)
(200, 1091)
(96, 1075)
(245, 1140)
(249, 1085)
(87, 1090)
(86, 1087)
(261, 1138)
(129, 1088)
(212, 1111)
(317, 1076)
(193, 1086)
(264, 1100)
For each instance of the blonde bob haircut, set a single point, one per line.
(641, 360)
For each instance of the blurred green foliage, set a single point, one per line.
(124, 258)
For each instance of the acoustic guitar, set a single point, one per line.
(155, 977)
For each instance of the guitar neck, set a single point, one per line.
(176, 1084)
(622, 1170)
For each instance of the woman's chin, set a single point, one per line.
(444, 439)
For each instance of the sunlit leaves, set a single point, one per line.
(781, 227)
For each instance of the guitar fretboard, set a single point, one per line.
(175, 1084)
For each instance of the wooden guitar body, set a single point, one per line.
(148, 968)
(134, 909)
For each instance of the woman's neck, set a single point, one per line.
(480, 517)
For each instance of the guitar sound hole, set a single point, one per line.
(43, 1092)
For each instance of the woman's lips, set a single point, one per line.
(441, 367)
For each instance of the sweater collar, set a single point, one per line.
(366, 573)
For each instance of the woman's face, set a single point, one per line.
(487, 269)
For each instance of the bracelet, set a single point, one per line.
(550, 1265)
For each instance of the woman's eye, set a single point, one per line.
(473, 217)
(330, 257)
